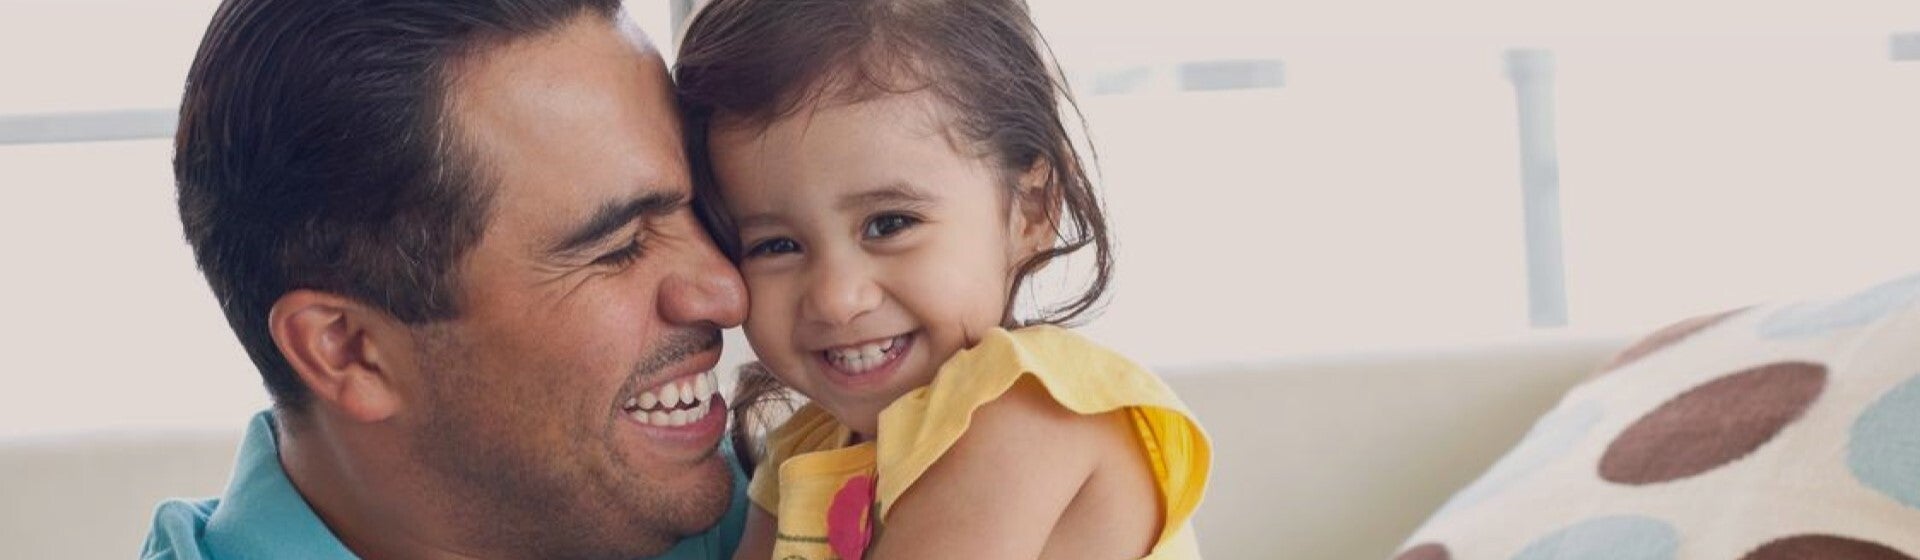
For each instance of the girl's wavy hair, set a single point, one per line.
(751, 63)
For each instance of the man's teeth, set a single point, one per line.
(678, 417)
(862, 357)
(674, 404)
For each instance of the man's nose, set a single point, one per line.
(707, 290)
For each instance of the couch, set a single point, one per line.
(1317, 457)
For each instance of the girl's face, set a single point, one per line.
(873, 248)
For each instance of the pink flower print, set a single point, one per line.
(847, 529)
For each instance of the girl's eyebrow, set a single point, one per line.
(750, 221)
(892, 194)
(897, 193)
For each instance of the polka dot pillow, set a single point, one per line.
(1769, 433)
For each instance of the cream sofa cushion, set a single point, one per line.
(1340, 456)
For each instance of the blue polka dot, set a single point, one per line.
(1624, 537)
(1811, 319)
(1884, 451)
(1550, 438)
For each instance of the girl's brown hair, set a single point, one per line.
(751, 63)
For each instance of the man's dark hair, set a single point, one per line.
(316, 151)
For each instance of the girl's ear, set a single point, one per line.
(1035, 213)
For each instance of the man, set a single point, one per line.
(454, 237)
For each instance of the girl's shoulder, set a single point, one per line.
(1032, 391)
(1076, 372)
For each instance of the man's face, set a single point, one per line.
(592, 286)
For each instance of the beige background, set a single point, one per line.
(1712, 153)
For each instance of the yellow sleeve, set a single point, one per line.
(810, 429)
(1080, 375)
(764, 489)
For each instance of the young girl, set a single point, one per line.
(888, 174)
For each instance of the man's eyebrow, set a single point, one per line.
(614, 215)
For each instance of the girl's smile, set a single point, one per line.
(872, 358)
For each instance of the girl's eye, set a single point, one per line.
(886, 225)
(772, 247)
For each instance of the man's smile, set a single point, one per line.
(676, 402)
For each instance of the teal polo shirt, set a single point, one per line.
(262, 516)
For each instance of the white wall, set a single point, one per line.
(1713, 153)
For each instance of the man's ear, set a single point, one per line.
(349, 355)
(1033, 223)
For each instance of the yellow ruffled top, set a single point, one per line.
(819, 485)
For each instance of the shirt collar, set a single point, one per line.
(262, 515)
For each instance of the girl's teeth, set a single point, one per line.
(863, 357)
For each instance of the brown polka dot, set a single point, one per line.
(1824, 547)
(1428, 551)
(1713, 424)
(1666, 336)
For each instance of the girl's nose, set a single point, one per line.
(841, 293)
